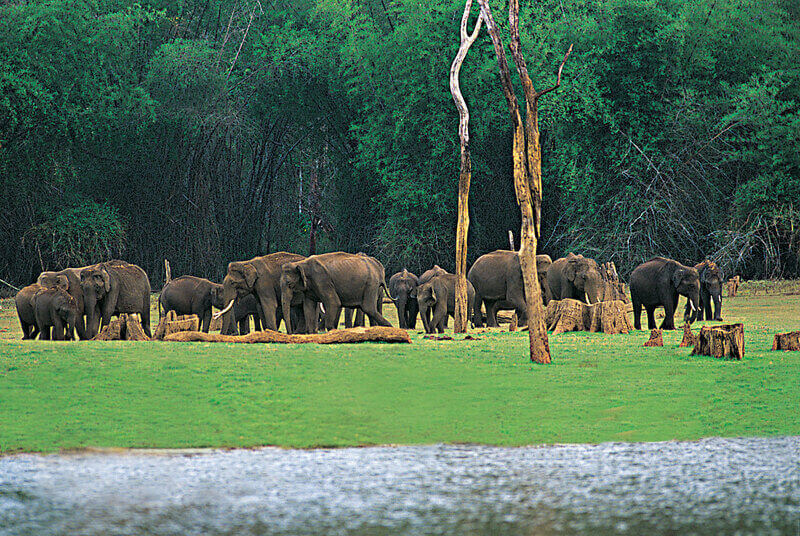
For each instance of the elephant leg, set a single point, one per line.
(348, 317)
(491, 313)
(412, 309)
(424, 312)
(80, 326)
(440, 317)
(333, 311)
(146, 319)
(401, 315)
(669, 316)
(311, 315)
(360, 321)
(244, 325)
(477, 319)
(257, 322)
(58, 330)
(637, 314)
(651, 316)
(44, 333)
(269, 308)
(370, 308)
(206, 321)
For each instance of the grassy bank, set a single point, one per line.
(599, 388)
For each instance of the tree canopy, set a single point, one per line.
(206, 131)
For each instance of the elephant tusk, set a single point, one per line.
(691, 303)
(322, 308)
(228, 308)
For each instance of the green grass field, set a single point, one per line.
(56, 395)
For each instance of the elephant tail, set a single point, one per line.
(386, 290)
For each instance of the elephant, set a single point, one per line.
(259, 276)
(710, 291)
(348, 311)
(335, 280)
(426, 276)
(55, 308)
(190, 295)
(243, 309)
(659, 282)
(68, 279)
(497, 278)
(26, 312)
(111, 288)
(439, 295)
(402, 288)
(576, 277)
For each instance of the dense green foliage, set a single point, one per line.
(599, 388)
(205, 131)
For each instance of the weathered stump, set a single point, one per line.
(733, 286)
(656, 338)
(172, 323)
(336, 336)
(512, 326)
(689, 338)
(573, 315)
(723, 342)
(127, 327)
(787, 341)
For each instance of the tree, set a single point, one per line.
(527, 158)
(465, 176)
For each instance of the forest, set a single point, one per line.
(207, 131)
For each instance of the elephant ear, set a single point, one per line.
(677, 276)
(303, 271)
(434, 294)
(62, 282)
(106, 279)
(250, 274)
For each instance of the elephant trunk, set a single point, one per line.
(228, 320)
(286, 306)
(92, 309)
(718, 307)
(694, 305)
(593, 286)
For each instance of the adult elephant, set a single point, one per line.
(658, 283)
(498, 282)
(402, 288)
(335, 280)
(69, 279)
(576, 277)
(359, 314)
(112, 288)
(439, 296)
(710, 291)
(259, 276)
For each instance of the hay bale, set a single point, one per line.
(787, 341)
(723, 342)
(172, 323)
(216, 323)
(112, 332)
(689, 338)
(336, 336)
(656, 339)
(573, 315)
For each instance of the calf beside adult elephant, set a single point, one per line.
(439, 296)
(55, 310)
(576, 277)
(111, 288)
(335, 280)
(658, 283)
(69, 279)
(261, 277)
(26, 311)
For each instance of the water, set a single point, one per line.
(714, 487)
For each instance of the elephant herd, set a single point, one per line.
(310, 293)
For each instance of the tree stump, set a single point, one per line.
(723, 342)
(733, 286)
(573, 315)
(127, 327)
(689, 338)
(512, 326)
(172, 323)
(656, 338)
(216, 324)
(787, 341)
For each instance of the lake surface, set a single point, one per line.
(714, 487)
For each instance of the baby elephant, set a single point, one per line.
(190, 295)
(439, 294)
(25, 310)
(55, 308)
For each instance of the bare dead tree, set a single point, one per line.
(527, 161)
(465, 176)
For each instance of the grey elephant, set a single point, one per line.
(402, 288)
(498, 282)
(112, 288)
(68, 279)
(710, 292)
(259, 276)
(576, 277)
(190, 295)
(439, 296)
(55, 309)
(25, 310)
(243, 309)
(426, 276)
(658, 283)
(334, 280)
(359, 314)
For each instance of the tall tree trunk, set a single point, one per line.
(526, 155)
(465, 176)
